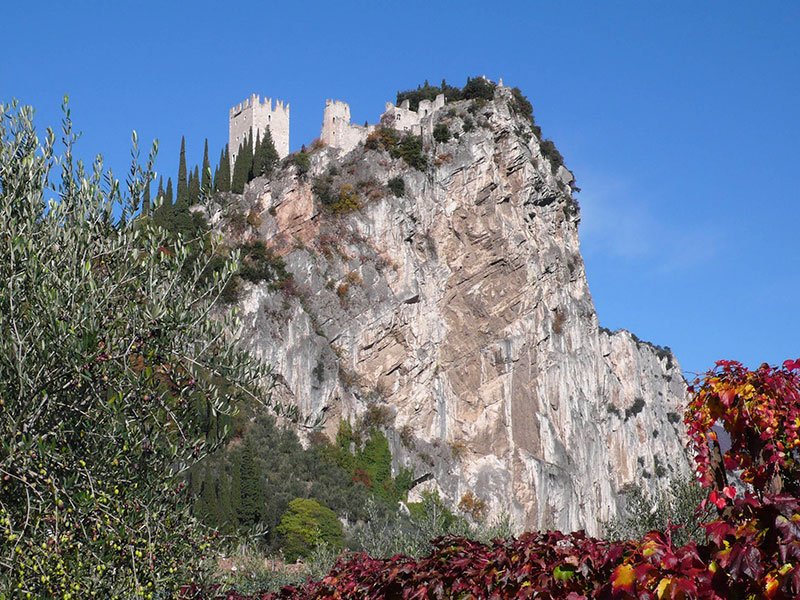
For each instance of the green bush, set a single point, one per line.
(478, 87)
(410, 150)
(521, 105)
(305, 525)
(259, 263)
(398, 186)
(441, 133)
(113, 378)
(552, 154)
(302, 162)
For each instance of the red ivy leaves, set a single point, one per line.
(760, 410)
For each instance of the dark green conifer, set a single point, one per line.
(222, 183)
(236, 485)
(183, 186)
(163, 216)
(242, 165)
(194, 187)
(168, 195)
(265, 157)
(251, 491)
(206, 506)
(206, 182)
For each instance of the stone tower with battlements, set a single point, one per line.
(258, 115)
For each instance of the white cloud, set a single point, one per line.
(621, 224)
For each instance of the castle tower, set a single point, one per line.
(338, 131)
(252, 113)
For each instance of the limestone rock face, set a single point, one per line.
(462, 309)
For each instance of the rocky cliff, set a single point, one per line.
(456, 315)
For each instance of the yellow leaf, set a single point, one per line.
(623, 578)
(664, 587)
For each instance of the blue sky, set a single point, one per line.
(679, 119)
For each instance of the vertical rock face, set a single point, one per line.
(463, 308)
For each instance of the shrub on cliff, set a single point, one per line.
(113, 378)
(441, 133)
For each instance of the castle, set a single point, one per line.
(337, 130)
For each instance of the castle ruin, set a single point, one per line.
(337, 130)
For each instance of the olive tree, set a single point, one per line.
(117, 372)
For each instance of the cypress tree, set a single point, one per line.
(206, 183)
(183, 186)
(265, 157)
(242, 165)
(251, 492)
(206, 507)
(236, 486)
(256, 145)
(146, 199)
(194, 187)
(189, 184)
(223, 182)
(163, 216)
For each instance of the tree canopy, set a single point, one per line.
(114, 378)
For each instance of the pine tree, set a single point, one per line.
(206, 182)
(160, 187)
(183, 186)
(222, 181)
(194, 187)
(242, 165)
(168, 196)
(265, 157)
